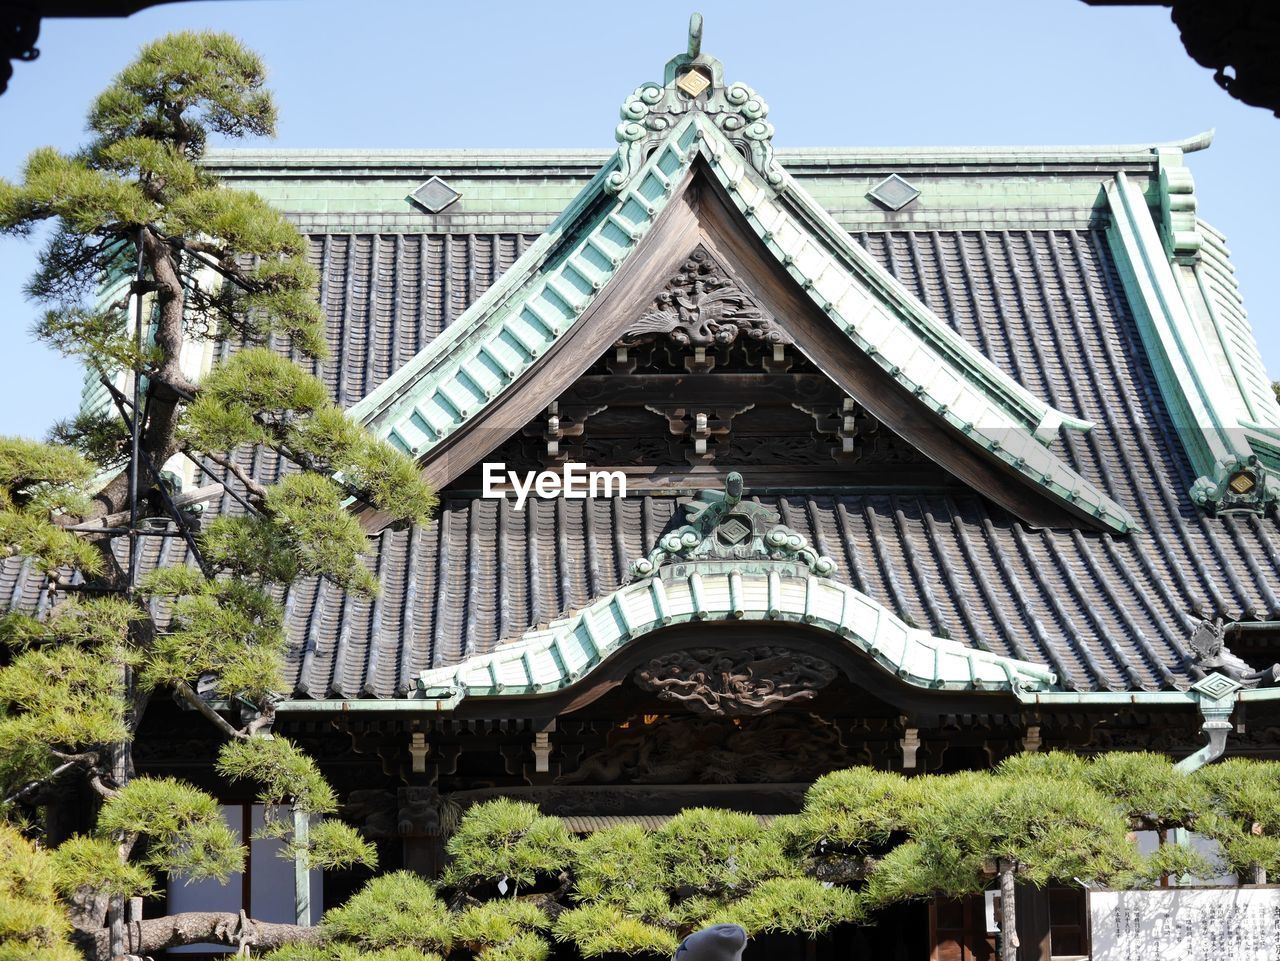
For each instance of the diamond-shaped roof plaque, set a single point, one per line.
(893, 192)
(434, 196)
(734, 530)
(693, 81)
(1216, 686)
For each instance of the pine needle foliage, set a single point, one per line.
(603, 929)
(792, 906)
(859, 812)
(1244, 806)
(139, 231)
(88, 862)
(503, 930)
(33, 927)
(1153, 793)
(183, 826)
(965, 823)
(621, 866)
(715, 853)
(629, 891)
(505, 840)
(397, 910)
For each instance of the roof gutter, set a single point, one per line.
(385, 705)
(440, 705)
(1215, 696)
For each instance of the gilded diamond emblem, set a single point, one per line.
(1241, 483)
(734, 530)
(693, 82)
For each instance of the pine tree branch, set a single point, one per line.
(32, 787)
(213, 927)
(218, 721)
(250, 485)
(100, 787)
(224, 262)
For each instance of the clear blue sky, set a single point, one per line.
(538, 74)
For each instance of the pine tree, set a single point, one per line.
(185, 260)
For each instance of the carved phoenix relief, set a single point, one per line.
(736, 683)
(702, 306)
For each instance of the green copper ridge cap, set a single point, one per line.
(1215, 278)
(550, 659)
(694, 84)
(1203, 406)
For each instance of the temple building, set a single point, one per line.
(757, 464)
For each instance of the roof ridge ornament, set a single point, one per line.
(1238, 485)
(721, 526)
(693, 81)
(695, 35)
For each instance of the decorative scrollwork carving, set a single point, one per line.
(653, 109)
(722, 526)
(736, 683)
(702, 306)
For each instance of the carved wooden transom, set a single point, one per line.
(736, 683)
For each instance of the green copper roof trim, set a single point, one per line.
(1204, 406)
(1216, 285)
(856, 272)
(1206, 279)
(1178, 225)
(905, 338)
(235, 160)
(502, 335)
(520, 317)
(419, 704)
(550, 659)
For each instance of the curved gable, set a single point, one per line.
(571, 296)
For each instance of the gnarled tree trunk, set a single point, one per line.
(200, 927)
(1008, 913)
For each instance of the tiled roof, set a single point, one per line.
(1102, 611)
(1046, 306)
(548, 659)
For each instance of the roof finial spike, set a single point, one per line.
(695, 35)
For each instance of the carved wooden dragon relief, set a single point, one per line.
(735, 683)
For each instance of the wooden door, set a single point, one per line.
(958, 930)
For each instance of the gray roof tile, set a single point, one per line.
(1105, 612)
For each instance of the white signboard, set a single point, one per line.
(1186, 924)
